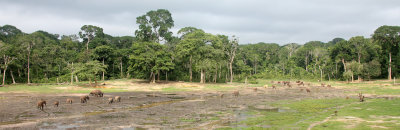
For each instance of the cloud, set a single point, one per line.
(278, 21)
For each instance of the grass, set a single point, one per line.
(218, 88)
(51, 88)
(173, 89)
(301, 114)
(187, 119)
(372, 114)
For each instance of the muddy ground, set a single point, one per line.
(146, 110)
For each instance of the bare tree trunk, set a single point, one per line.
(359, 61)
(336, 72)
(255, 68)
(216, 74)
(29, 54)
(158, 75)
(103, 72)
(90, 82)
(76, 79)
(306, 60)
(352, 78)
(390, 67)
(319, 66)
(202, 76)
(4, 75)
(95, 82)
(166, 76)
(220, 71)
(190, 69)
(122, 74)
(87, 45)
(226, 77)
(329, 77)
(12, 77)
(72, 73)
(230, 68)
(153, 78)
(344, 65)
(19, 73)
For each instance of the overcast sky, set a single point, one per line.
(271, 21)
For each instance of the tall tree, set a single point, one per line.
(103, 53)
(230, 49)
(8, 33)
(6, 53)
(28, 42)
(147, 59)
(89, 32)
(389, 38)
(154, 26)
(187, 48)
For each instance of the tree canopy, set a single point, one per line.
(154, 53)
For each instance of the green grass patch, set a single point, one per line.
(187, 119)
(300, 116)
(173, 89)
(218, 88)
(380, 90)
(372, 114)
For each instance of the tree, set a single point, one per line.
(154, 26)
(356, 69)
(103, 53)
(187, 48)
(8, 33)
(6, 53)
(28, 42)
(389, 38)
(360, 46)
(320, 58)
(292, 47)
(230, 49)
(123, 57)
(347, 75)
(89, 32)
(148, 58)
(371, 69)
(341, 52)
(90, 70)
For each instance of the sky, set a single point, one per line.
(253, 21)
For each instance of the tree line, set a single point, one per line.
(155, 53)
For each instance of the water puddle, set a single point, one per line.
(269, 108)
(134, 128)
(176, 97)
(170, 94)
(58, 126)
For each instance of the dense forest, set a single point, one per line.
(155, 53)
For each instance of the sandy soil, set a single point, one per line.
(144, 109)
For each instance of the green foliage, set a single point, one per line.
(90, 69)
(348, 74)
(149, 58)
(89, 32)
(155, 25)
(193, 55)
